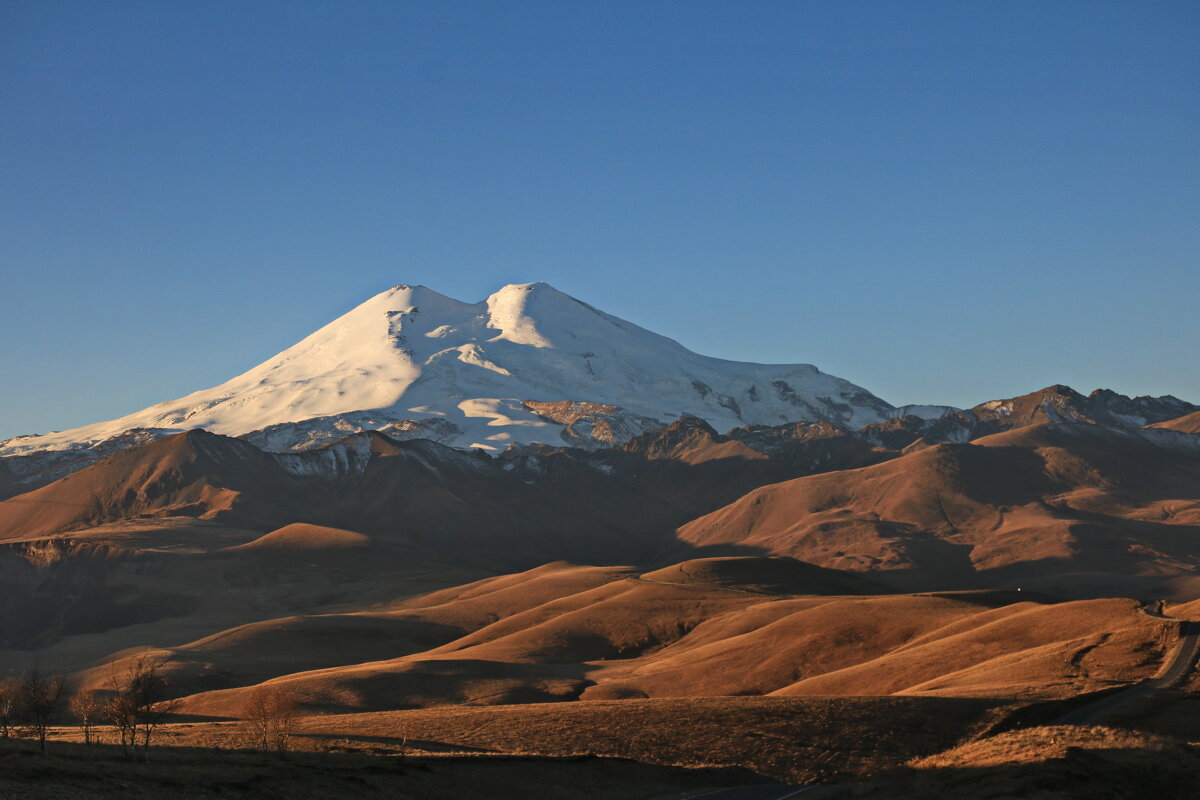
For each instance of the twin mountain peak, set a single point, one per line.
(529, 364)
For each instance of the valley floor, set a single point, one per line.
(869, 748)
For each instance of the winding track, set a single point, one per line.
(1171, 674)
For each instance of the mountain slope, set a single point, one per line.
(1030, 502)
(524, 507)
(1188, 423)
(1052, 404)
(1063, 404)
(190, 474)
(414, 356)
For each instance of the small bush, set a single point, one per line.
(271, 712)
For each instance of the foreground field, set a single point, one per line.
(851, 749)
(951, 695)
(795, 740)
(76, 772)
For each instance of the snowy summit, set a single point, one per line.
(528, 364)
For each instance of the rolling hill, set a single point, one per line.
(1044, 504)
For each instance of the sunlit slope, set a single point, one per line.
(609, 634)
(1189, 423)
(1012, 507)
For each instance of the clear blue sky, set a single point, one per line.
(944, 202)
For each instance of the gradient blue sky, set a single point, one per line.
(941, 201)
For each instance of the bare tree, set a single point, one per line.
(10, 690)
(150, 692)
(271, 712)
(87, 707)
(257, 714)
(39, 698)
(139, 703)
(121, 713)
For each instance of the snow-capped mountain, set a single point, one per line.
(528, 364)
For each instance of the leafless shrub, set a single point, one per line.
(139, 704)
(121, 713)
(87, 707)
(10, 689)
(39, 697)
(271, 712)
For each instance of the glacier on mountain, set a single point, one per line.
(415, 363)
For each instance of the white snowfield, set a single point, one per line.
(411, 354)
